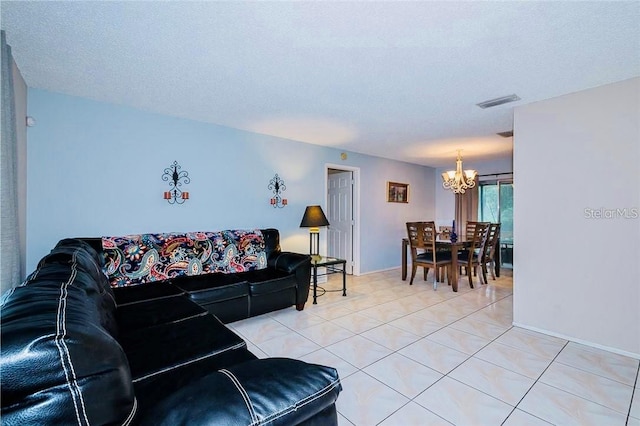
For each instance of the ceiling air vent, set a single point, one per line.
(498, 101)
(506, 134)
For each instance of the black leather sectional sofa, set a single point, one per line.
(74, 351)
(282, 283)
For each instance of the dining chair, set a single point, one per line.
(470, 229)
(422, 241)
(493, 236)
(472, 257)
(444, 234)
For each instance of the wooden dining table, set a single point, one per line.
(440, 244)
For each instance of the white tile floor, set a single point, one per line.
(408, 355)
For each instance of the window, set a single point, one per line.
(496, 205)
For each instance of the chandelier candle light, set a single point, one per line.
(457, 180)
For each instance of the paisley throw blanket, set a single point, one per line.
(138, 259)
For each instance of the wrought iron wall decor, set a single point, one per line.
(277, 186)
(176, 179)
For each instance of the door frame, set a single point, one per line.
(355, 240)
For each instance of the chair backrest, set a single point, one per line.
(479, 238)
(470, 229)
(422, 235)
(493, 235)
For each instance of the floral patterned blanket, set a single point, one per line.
(138, 259)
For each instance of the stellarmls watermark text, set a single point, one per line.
(617, 213)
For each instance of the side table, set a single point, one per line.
(332, 265)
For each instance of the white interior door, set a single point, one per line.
(340, 215)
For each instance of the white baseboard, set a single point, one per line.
(580, 341)
(381, 270)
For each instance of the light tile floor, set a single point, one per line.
(408, 355)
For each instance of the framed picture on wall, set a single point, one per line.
(397, 192)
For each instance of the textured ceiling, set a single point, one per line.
(393, 79)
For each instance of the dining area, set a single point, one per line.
(445, 256)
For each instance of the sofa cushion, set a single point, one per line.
(159, 349)
(199, 283)
(229, 310)
(103, 305)
(137, 259)
(271, 238)
(221, 294)
(270, 281)
(59, 365)
(154, 312)
(84, 255)
(273, 391)
(144, 292)
(159, 387)
(75, 259)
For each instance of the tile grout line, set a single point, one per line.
(321, 347)
(534, 383)
(572, 393)
(419, 337)
(443, 375)
(448, 373)
(633, 394)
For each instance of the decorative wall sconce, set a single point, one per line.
(277, 185)
(176, 179)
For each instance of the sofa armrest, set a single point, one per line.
(298, 264)
(274, 391)
(288, 261)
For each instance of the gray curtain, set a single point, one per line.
(9, 235)
(466, 208)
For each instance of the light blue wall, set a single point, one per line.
(95, 169)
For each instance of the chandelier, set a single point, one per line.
(457, 180)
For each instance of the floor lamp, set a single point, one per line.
(313, 219)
